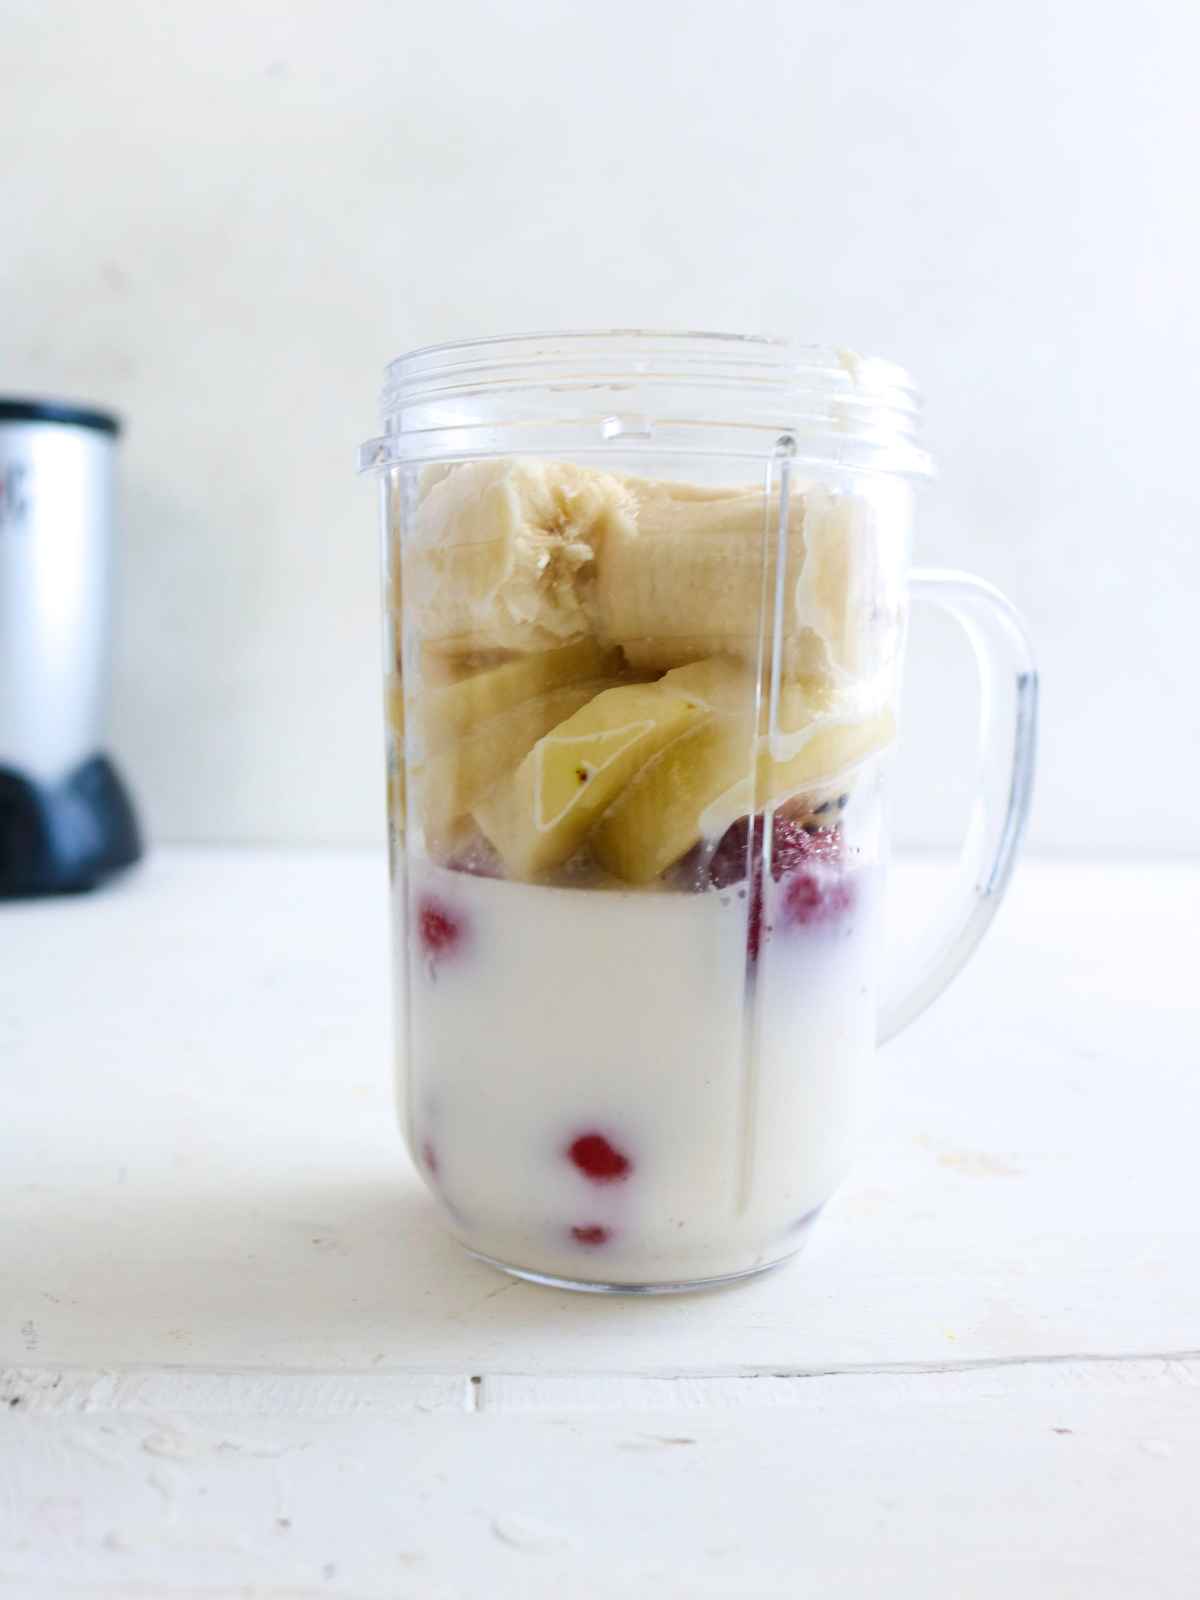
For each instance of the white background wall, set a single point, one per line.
(222, 217)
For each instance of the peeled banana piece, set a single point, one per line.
(728, 687)
(453, 709)
(522, 555)
(657, 818)
(457, 777)
(722, 769)
(503, 554)
(538, 818)
(684, 578)
(803, 653)
(699, 572)
(841, 599)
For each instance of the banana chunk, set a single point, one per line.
(453, 709)
(722, 769)
(685, 578)
(841, 598)
(525, 556)
(456, 778)
(541, 815)
(728, 687)
(698, 571)
(503, 553)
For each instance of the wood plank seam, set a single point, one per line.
(41, 1391)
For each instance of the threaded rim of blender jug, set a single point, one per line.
(862, 404)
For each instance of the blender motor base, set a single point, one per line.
(58, 838)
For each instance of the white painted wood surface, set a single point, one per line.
(239, 1358)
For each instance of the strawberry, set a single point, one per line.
(806, 860)
(597, 1159)
(439, 929)
(591, 1234)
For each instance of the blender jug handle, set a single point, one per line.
(1008, 737)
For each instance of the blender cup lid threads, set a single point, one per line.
(840, 405)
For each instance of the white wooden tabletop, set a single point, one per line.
(239, 1358)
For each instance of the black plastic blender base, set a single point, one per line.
(69, 836)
